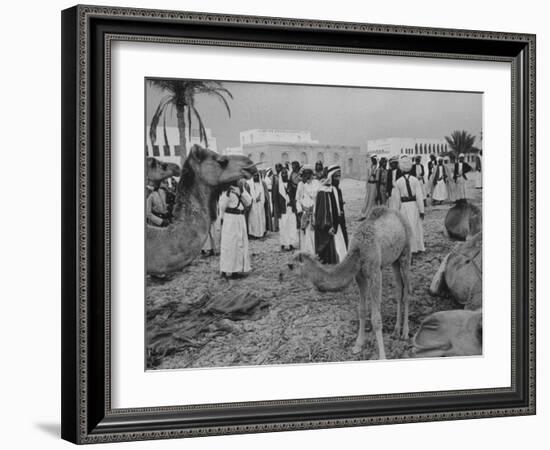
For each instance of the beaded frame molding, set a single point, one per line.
(87, 35)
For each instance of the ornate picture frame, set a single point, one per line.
(88, 33)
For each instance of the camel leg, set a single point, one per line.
(405, 264)
(396, 266)
(374, 293)
(362, 312)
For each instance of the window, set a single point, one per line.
(335, 158)
(284, 157)
(303, 158)
(350, 165)
(166, 149)
(262, 156)
(156, 151)
(320, 157)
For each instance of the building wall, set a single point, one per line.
(169, 151)
(349, 157)
(257, 135)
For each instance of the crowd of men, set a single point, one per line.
(305, 205)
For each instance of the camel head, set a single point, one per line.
(449, 333)
(158, 170)
(215, 170)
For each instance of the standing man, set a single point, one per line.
(305, 204)
(439, 193)
(286, 211)
(256, 216)
(461, 168)
(234, 257)
(331, 237)
(275, 196)
(381, 182)
(394, 201)
(432, 163)
(479, 178)
(451, 183)
(412, 203)
(417, 171)
(319, 171)
(370, 196)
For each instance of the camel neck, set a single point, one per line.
(193, 202)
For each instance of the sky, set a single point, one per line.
(333, 114)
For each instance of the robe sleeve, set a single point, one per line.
(418, 193)
(224, 201)
(246, 199)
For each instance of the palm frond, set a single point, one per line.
(202, 129)
(156, 119)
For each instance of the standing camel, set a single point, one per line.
(382, 239)
(203, 176)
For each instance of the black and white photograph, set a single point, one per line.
(299, 224)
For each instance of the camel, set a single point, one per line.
(450, 333)
(463, 220)
(460, 273)
(203, 176)
(382, 239)
(158, 170)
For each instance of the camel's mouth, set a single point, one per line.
(249, 171)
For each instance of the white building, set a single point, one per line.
(168, 150)
(395, 146)
(262, 136)
(424, 147)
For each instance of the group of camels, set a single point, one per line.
(379, 241)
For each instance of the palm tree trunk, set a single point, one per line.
(183, 140)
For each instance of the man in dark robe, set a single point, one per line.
(319, 172)
(267, 207)
(275, 196)
(331, 237)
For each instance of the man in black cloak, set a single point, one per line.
(331, 237)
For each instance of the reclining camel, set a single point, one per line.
(455, 332)
(380, 240)
(450, 333)
(203, 176)
(462, 221)
(460, 273)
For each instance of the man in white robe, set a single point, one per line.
(439, 193)
(412, 203)
(234, 256)
(256, 216)
(286, 212)
(305, 204)
(461, 168)
(394, 200)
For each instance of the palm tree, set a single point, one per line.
(180, 94)
(461, 142)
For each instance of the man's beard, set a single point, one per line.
(336, 183)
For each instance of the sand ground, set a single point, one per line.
(292, 323)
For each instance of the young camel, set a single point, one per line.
(382, 239)
(203, 176)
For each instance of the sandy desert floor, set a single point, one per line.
(288, 321)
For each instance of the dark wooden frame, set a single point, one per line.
(87, 32)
